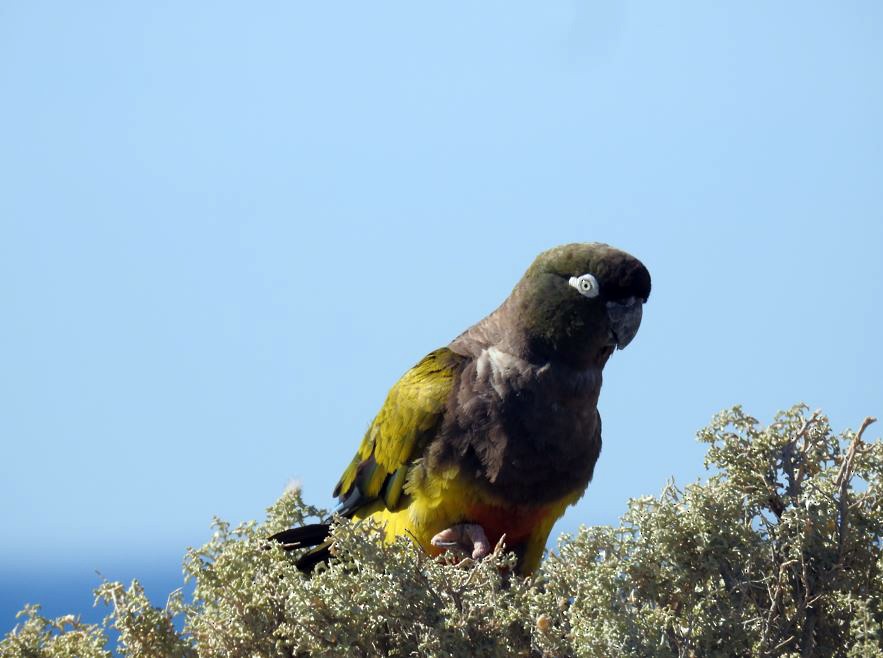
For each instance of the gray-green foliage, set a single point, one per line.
(778, 553)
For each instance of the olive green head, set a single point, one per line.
(579, 302)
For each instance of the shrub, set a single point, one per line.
(778, 553)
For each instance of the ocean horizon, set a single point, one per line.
(68, 589)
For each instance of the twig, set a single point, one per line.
(844, 476)
(804, 433)
(850, 452)
(776, 598)
(781, 644)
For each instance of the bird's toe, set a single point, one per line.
(470, 538)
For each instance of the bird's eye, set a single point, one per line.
(586, 285)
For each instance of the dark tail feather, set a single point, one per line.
(319, 555)
(308, 536)
(302, 537)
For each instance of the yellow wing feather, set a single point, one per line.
(412, 410)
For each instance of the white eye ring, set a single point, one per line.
(586, 285)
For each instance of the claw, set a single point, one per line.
(467, 537)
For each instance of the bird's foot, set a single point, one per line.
(467, 537)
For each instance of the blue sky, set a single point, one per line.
(226, 230)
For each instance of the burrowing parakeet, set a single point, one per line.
(497, 433)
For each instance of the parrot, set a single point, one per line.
(495, 435)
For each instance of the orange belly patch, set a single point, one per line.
(517, 523)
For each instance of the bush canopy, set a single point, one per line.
(777, 553)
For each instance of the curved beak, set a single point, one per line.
(625, 319)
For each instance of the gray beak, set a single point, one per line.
(625, 319)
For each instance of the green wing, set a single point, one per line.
(410, 415)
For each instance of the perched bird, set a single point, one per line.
(497, 433)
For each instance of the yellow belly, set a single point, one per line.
(443, 502)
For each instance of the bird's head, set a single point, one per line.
(579, 302)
